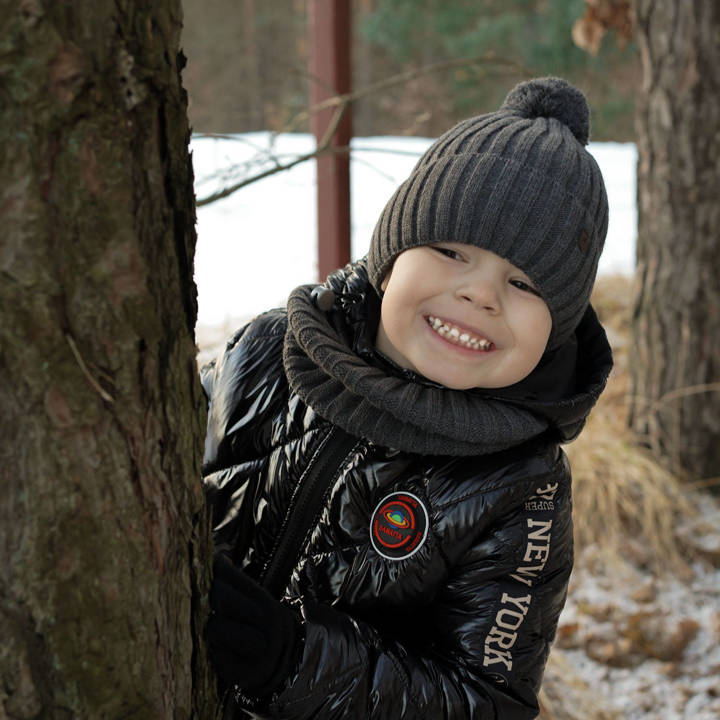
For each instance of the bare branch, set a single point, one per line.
(225, 192)
(403, 78)
(340, 103)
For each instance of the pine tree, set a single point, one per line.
(103, 535)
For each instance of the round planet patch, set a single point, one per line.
(398, 526)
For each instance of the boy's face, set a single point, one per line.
(462, 316)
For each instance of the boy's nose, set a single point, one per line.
(482, 294)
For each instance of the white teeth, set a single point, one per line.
(458, 336)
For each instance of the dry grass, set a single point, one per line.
(626, 504)
(566, 696)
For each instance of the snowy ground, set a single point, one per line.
(648, 646)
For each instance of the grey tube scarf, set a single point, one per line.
(389, 410)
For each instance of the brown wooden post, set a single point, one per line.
(330, 76)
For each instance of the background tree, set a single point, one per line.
(676, 374)
(103, 537)
(536, 34)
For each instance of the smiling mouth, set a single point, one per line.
(459, 336)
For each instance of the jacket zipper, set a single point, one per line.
(305, 506)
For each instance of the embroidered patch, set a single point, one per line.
(398, 526)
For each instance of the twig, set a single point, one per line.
(270, 171)
(708, 482)
(389, 151)
(78, 357)
(678, 393)
(402, 78)
(684, 392)
(341, 102)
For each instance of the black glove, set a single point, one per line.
(253, 637)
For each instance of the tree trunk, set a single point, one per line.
(103, 534)
(676, 325)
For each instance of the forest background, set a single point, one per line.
(249, 63)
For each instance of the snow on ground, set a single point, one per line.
(255, 246)
(648, 645)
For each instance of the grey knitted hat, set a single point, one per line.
(518, 182)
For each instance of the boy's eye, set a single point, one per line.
(447, 252)
(520, 285)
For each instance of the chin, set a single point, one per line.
(452, 383)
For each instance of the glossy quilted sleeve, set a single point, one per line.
(243, 386)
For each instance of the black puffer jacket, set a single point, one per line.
(429, 585)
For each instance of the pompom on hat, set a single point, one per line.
(518, 182)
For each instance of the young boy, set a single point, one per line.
(392, 509)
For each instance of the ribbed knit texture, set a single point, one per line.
(517, 182)
(421, 417)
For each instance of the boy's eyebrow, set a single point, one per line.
(525, 277)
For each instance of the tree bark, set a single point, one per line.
(103, 536)
(676, 326)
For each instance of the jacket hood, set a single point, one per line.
(567, 382)
(331, 363)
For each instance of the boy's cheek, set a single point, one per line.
(386, 280)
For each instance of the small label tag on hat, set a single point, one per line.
(584, 241)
